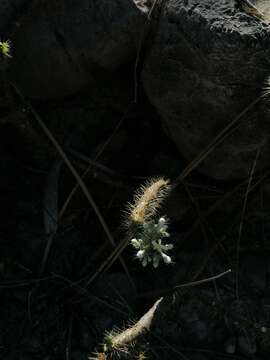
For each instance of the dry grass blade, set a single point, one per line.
(90, 296)
(100, 172)
(76, 176)
(170, 347)
(71, 194)
(76, 187)
(115, 254)
(215, 206)
(232, 126)
(219, 202)
(203, 281)
(69, 337)
(242, 222)
(155, 2)
(143, 36)
(194, 282)
(50, 210)
(201, 219)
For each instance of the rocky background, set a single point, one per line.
(128, 90)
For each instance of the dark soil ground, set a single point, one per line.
(48, 308)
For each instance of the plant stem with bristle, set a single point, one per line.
(147, 201)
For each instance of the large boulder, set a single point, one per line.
(61, 45)
(208, 61)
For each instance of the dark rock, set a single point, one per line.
(247, 344)
(8, 9)
(116, 287)
(61, 46)
(209, 61)
(201, 330)
(255, 270)
(77, 355)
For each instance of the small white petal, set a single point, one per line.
(140, 254)
(167, 259)
(168, 247)
(135, 243)
(163, 229)
(156, 262)
(165, 234)
(162, 221)
(144, 262)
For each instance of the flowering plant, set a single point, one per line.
(5, 48)
(146, 229)
(149, 243)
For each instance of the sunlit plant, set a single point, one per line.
(147, 230)
(5, 48)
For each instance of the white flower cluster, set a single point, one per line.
(149, 243)
(5, 48)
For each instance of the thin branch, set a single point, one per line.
(203, 281)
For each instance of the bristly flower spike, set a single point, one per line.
(147, 201)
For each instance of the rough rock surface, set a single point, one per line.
(208, 61)
(60, 45)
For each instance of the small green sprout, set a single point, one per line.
(5, 48)
(149, 246)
